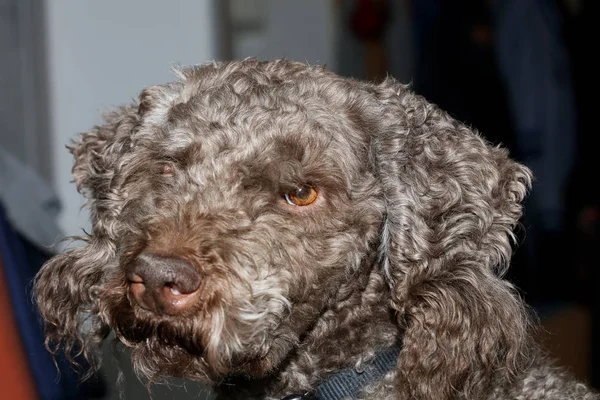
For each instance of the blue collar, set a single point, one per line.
(347, 383)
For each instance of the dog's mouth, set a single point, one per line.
(168, 311)
(141, 329)
(155, 318)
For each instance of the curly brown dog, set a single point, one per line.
(273, 229)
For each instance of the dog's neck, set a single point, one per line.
(347, 334)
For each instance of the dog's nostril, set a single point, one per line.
(134, 278)
(163, 284)
(174, 289)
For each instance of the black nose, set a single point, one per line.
(163, 284)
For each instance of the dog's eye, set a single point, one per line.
(166, 169)
(301, 196)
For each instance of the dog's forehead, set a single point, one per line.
(246, 112)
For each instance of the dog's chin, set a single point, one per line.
(162, 349)
(155, 361)
(197, 347)
(160, 358)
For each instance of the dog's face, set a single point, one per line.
(234, 207)
(232, 214)
(242, 212)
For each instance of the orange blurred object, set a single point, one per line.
(16, 381)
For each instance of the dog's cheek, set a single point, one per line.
(308, 272)
(314, 256)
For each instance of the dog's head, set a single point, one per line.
(232, 207)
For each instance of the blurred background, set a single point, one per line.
(520, 71)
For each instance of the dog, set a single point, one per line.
(277, 231)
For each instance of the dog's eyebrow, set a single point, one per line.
(187, 155)
(176, 140)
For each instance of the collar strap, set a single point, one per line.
(347, 383)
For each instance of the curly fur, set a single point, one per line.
(408, 239)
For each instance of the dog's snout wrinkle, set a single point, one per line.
(163, 284)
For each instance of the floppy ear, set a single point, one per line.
(452, 202)
(96, 152)
(66, 287)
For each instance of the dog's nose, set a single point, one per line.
(163, 284)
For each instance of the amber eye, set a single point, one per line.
(166, 169)
(301, 196)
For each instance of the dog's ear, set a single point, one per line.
(96, 152)
(452, 201)
(65, 292)
(67, 286)
(100, 152)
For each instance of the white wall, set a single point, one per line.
(102, 53)
(298, 30)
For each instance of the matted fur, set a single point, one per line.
(408, 239)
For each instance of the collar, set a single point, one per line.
(347, 383)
